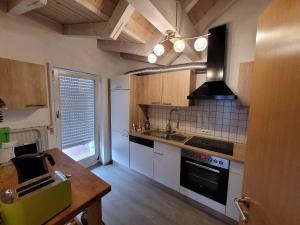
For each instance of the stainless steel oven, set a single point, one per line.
(205, 175)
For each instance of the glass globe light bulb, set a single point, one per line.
(179, 45)
(152, 58)
(200, 44)
(159, 49)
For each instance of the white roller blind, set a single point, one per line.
(77, 109)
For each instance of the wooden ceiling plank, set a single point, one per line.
(19, 7)
(213, 14)
(133, 36)
(118, 20)
(60, 12)
(161, 15)
(200, 9)
(93, 8)
(92, 30)
(105, 6)
(80, 11)
(103, 30)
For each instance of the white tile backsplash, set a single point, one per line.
(222, 119)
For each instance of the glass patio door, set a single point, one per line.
(76, 115)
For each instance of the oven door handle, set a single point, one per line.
(203, 167)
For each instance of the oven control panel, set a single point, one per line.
(211, 160)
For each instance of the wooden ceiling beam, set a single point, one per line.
(91, 7)
(118, 20)
(161, 15)
(92, 30)
(188, 4)
(138, 58)
(109, 30)
(124, 47)
(19, 7)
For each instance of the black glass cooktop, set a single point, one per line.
(210, 144)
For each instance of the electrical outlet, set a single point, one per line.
(206, 132)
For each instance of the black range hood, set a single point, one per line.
(215, 87)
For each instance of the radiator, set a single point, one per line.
(24, 136)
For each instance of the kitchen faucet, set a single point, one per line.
(169, 126)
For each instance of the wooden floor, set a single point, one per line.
(135, 200)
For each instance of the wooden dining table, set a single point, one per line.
(87, 188)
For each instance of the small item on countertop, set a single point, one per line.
(147, 124)
(139, 127)
(4, 135)
(134, 128)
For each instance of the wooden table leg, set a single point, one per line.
(94, 213)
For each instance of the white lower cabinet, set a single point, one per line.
(235, 184)
(141, 159)
(166, 167)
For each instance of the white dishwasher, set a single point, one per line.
(141, 155)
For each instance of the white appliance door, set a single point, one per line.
(120, 110)
(120, 147)
(120, 82)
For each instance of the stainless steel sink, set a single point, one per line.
(166, 135)
(177, 137)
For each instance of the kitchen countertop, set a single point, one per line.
(239, 150)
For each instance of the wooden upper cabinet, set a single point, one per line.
(150, 89)
(245, 81)
(177, 86)
(171, 88)
(154, 89)
(22, 85)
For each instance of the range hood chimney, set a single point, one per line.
(215, 87)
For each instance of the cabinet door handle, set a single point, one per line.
(243, 213)
(167, 103)
(155, 103)
(35, 105)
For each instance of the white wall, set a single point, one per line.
(242, 25)
(23, 38)
(241, 18)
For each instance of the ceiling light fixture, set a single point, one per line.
(178, 42)
(159, 50)
(200, 44)
(152, 58)
(179, 45)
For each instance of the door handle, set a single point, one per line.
(158, 153)
(203, 167)
(243, 213)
